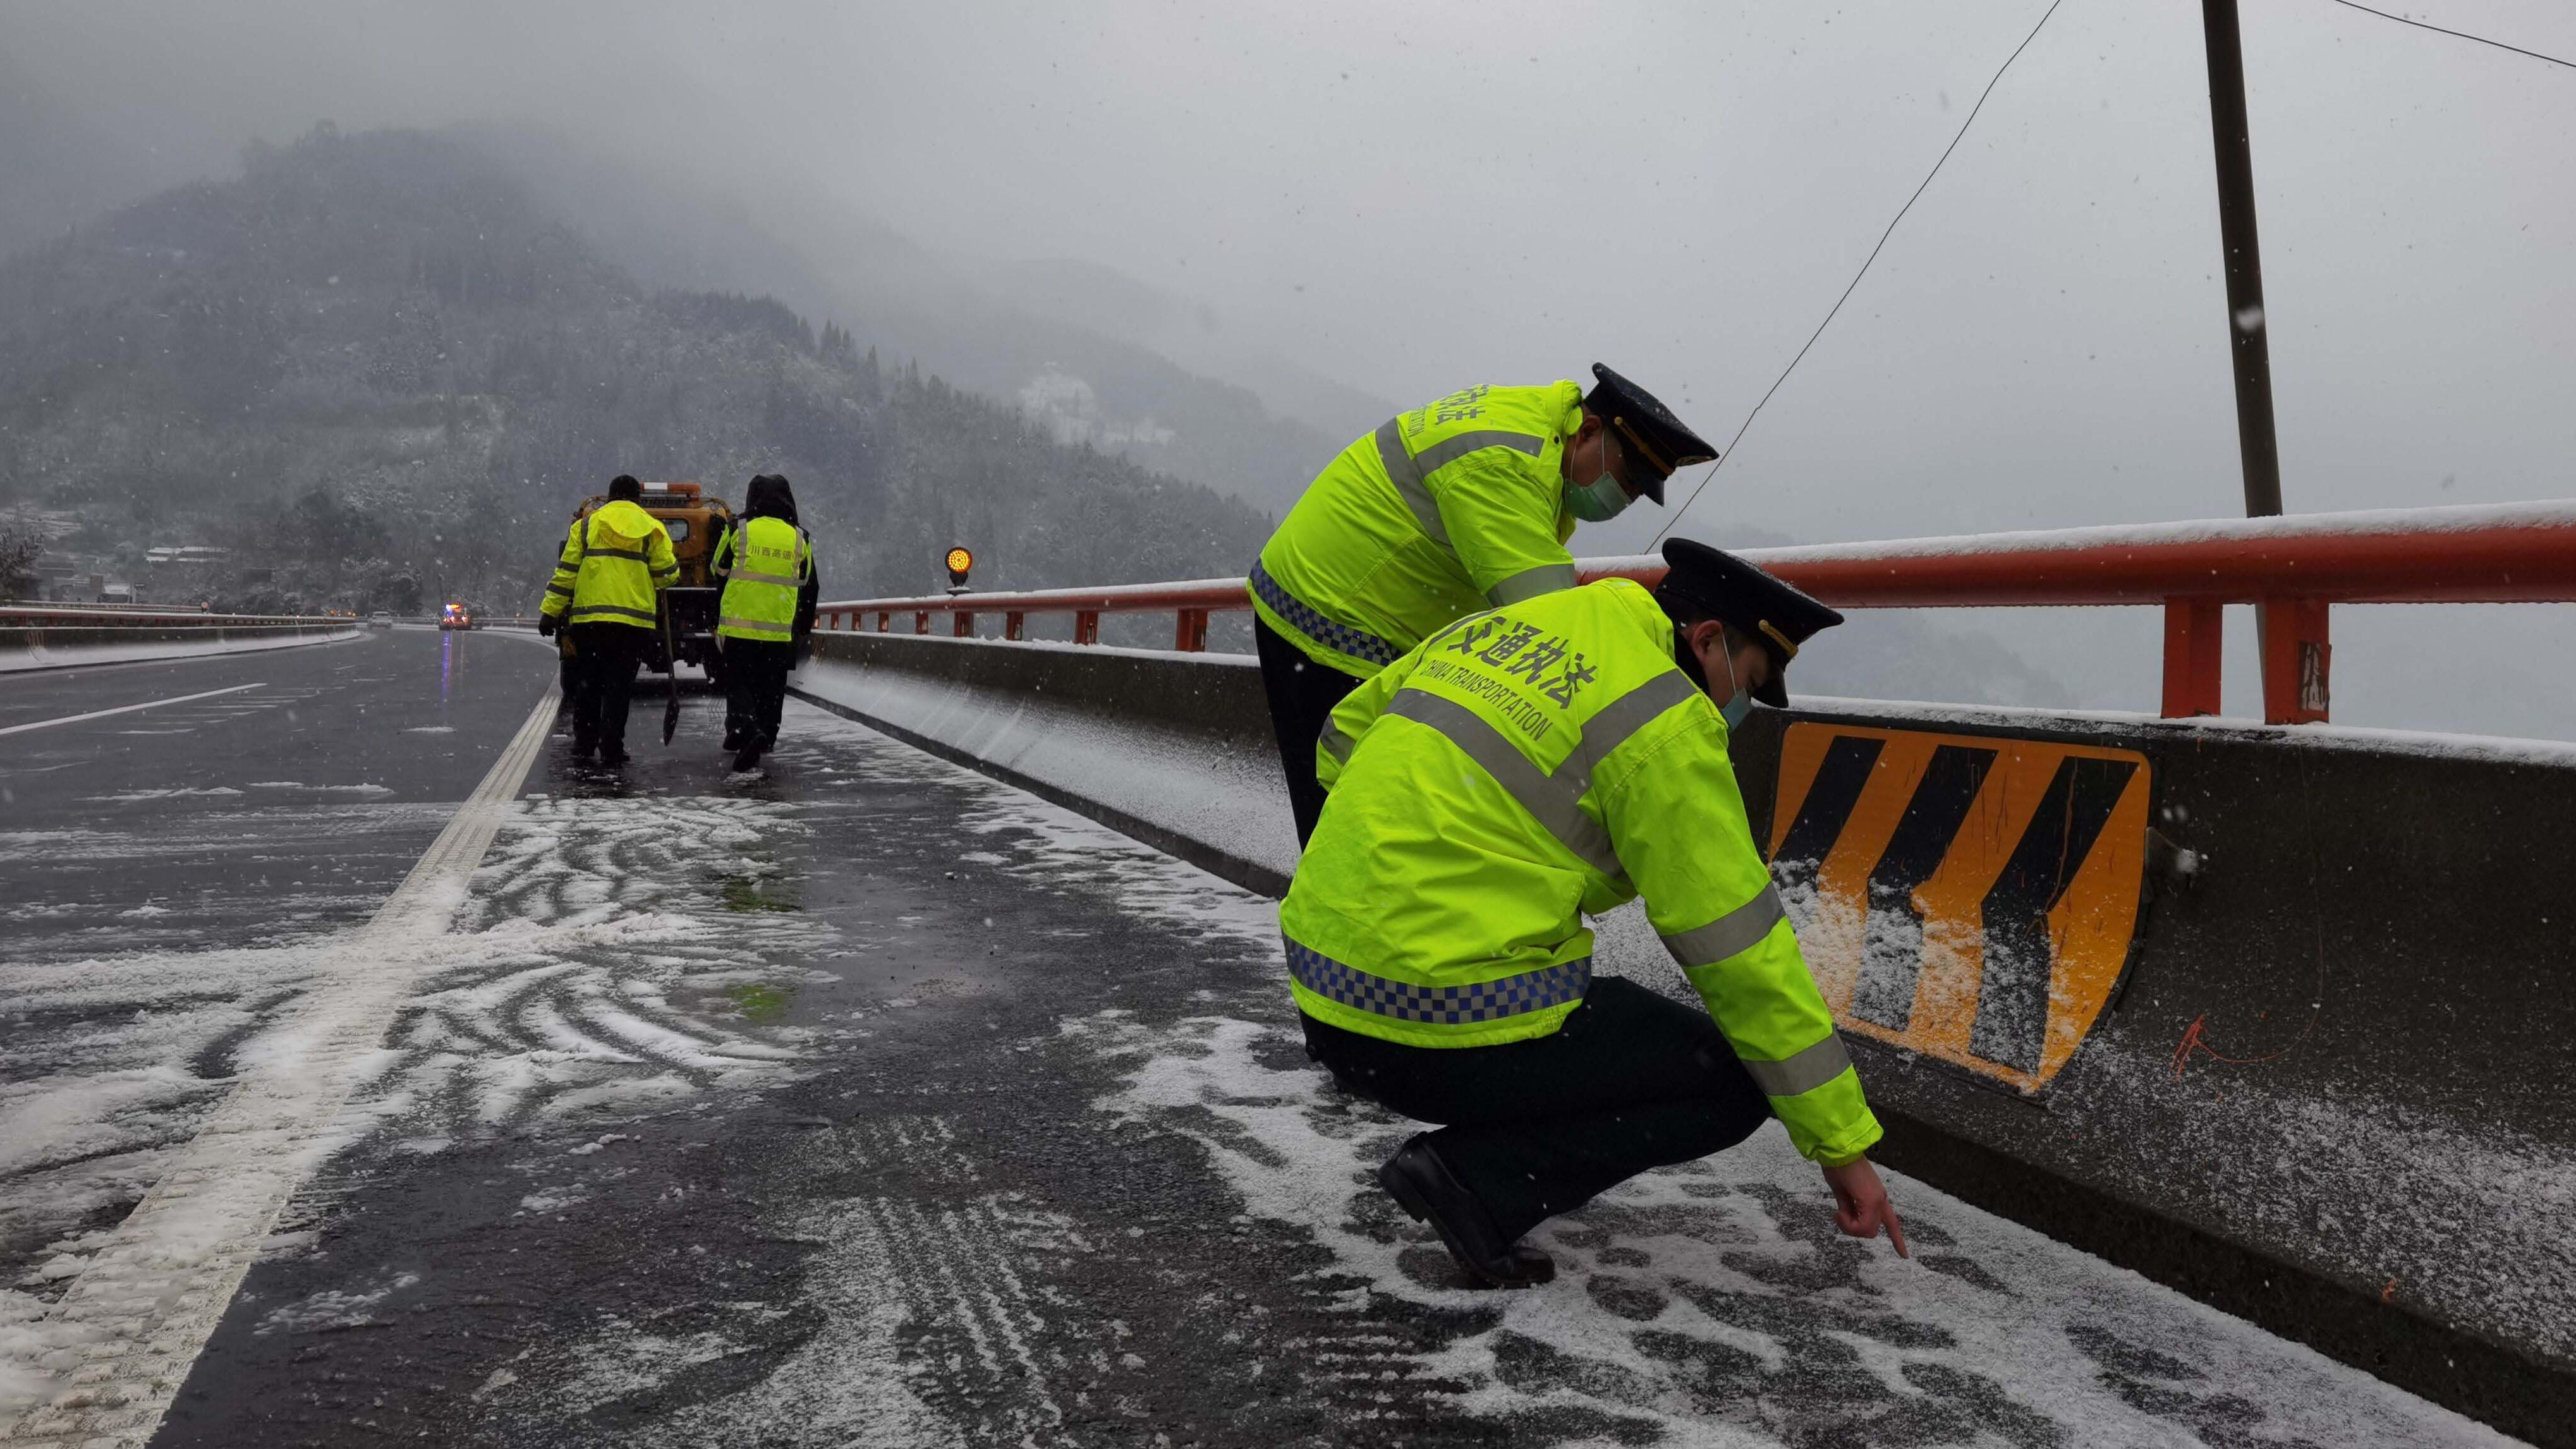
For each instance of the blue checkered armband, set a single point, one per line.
(1479, 1001)
(1357, 643)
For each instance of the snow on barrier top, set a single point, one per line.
(2293, 567)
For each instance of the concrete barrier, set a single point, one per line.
(1173, 749)
(2276, 1017)
(2279, 1018)
(67, 647)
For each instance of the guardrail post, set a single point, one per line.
(964, 628)
(885, 620)
(2192, 638)
(1014, 624)
(921, 621)
(1189, 631)
(2296, 657)
(1086, 626)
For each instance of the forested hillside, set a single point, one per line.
(375, 370)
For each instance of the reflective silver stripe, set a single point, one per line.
(1449, 450)
(559, 589)
(1730, 935)
(1612, 724)
(781, 627)
(620, 610)
(1408, 471)
(746, 576)
(1335, 743)
(636, 554)
(1804, 1072)
(1530, 583)
(1408, 481)
(1548, 801)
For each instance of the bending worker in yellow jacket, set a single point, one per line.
(1445, 511)
(1553, 757)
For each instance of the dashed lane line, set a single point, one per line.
(124, 709)
(140, 1313)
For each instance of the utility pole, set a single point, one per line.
(2248, 331)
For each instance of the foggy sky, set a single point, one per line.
(1414, 198)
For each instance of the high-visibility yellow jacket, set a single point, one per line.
(613, 563)
(1524, 767)
(765, 563)
(1443, 512)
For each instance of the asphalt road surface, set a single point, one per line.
(858, 1101)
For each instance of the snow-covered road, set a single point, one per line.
(867, 1101)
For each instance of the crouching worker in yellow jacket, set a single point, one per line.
(1556, 756)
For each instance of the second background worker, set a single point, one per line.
(766, 565)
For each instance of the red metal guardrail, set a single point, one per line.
(2290, 568)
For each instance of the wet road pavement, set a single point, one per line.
(290, 802)
(161, 867)
(866, 1101)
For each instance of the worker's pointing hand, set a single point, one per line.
(1861, 1207)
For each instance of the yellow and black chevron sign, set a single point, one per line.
(1963, 896)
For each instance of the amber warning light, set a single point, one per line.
(960, 559)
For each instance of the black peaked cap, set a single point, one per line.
(1647, 429)
(1718, 585)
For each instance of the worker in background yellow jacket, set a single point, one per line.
(608, 581)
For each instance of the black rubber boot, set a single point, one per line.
(1424, 1187)
(748, 757)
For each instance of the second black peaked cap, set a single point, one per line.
(1716, 584)
(1647, 429)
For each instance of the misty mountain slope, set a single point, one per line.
(1100, 357)
(376, 366)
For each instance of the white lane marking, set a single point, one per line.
(123, 709)
(146, 1304)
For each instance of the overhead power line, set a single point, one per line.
(1729, 450)
(2462, 34)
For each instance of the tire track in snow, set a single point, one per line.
(972, 1328)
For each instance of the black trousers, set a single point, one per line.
(755, 673)
(1534, 1128)
(604, 660)
(1302, 695)
(567, 679)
